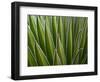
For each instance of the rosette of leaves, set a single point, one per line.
(57, 40)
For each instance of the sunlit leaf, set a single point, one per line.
(31, 41)
(33, 27)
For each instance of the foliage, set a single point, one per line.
(57, 40)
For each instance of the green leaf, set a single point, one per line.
(54, 29)
(31, 59)
(57, 40)
(33, 27)
(61, 30)
(41, 58)
(56, 60)
(42, 19)
(69, 44)
(60, 51)
(83, 40)
(41, 34)
(85, 52)
(84, 60)
(49, 43)
(76, 57)
(65, 33)
(31, 41)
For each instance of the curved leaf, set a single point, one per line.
(41, 58)
(41, 34)
(31, 59)
(61, 30)
(31, 41)
(33, 27)
(60, 51)
(56, 60)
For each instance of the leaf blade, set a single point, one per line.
(41, 34)
(56, 60)
(42, 59)
(31, 59)
(49, 42)
(69, 44)
(60, 51)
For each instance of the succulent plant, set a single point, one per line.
(57, 40)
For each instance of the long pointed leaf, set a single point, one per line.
(41, 34)
(56, 60)
(31, 59)
(54, 29)
(49, 42)
(33, 27)
(31, 41)
(61, 30)
(60, 51)
(41, 57)
(69, 44)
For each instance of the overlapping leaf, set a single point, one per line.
(56, 60)
(49, 42)
(41, 58)
(57, 40)
(31, 59)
